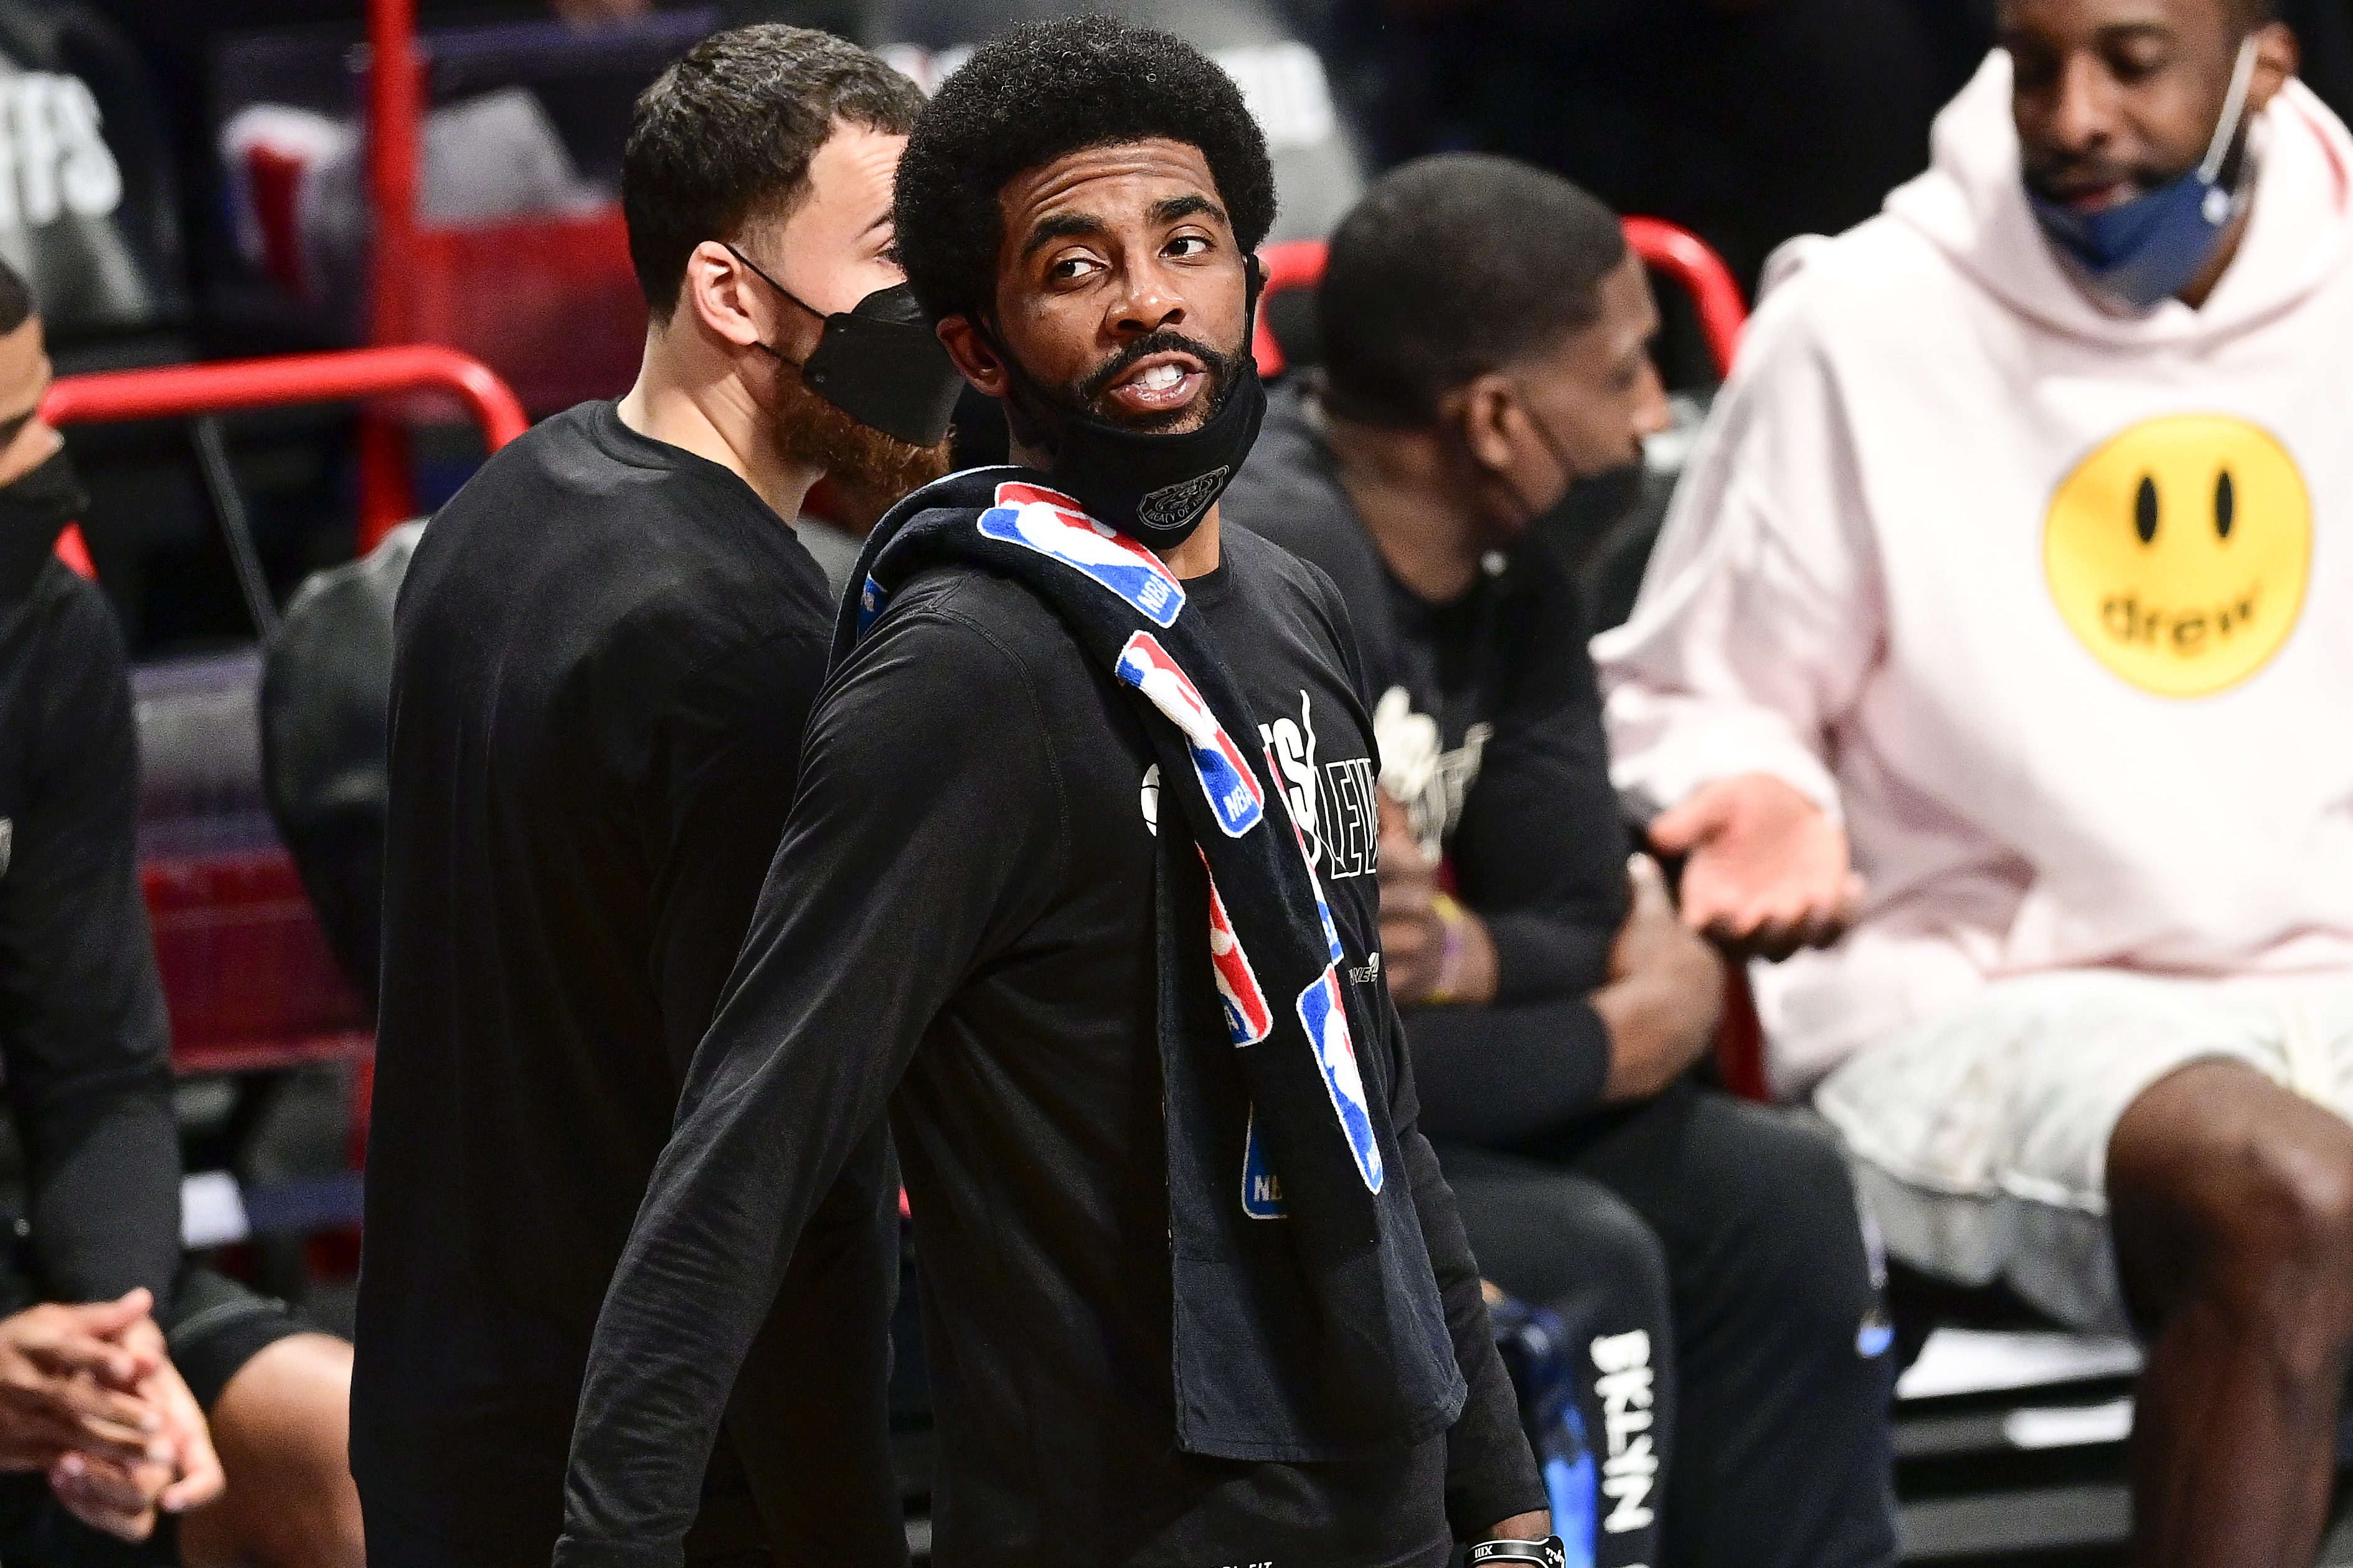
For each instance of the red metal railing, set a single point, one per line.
(248, 975)
(1677, 253)
(183, 390)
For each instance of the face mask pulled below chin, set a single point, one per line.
(34, 509)
(2147, 249)
(879, 363)
(1156, 487)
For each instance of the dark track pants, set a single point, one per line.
(1776, 1398)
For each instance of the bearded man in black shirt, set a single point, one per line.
(1194, 1292)
(605, 648)
(1485, 337)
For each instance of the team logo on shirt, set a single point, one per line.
(1325, 1016)
(1249, 1019)
(1235, 798)
(1055, 526)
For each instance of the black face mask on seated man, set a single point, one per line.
(1155, 487)
(35, 508)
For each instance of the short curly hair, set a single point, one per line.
(1044, 91)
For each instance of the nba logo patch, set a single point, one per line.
(1325, 1017)
(1262, 1189)
(1053, 524)
(1249, 1019)
(1235, 798)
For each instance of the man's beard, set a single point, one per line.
(1092, 394)
(813, 433)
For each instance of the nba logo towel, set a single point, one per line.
(1235, 798)
(1051, 524)
(1326, 1020)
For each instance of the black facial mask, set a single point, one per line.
(34, 509)
(1154, 487)
(881, 363)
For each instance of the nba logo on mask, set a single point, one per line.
(1235, 798)
(1325, 1017)
(1249, 1019)
(1054, 525)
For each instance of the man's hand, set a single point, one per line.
(1664, 993)
(182, 1473)
(1764, 872)
(1432, 949)
(1524, 1527)
(68, 1383)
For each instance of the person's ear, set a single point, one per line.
(2278, 57)
(1486, 409)
(721, 292)
(976, 357)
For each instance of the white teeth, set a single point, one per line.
(1159, 378)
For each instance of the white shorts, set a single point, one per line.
(1979, 1137)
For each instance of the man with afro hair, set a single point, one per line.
(1080, 881)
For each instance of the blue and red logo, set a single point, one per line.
(1249, 1019)
(1055, 526)
(1261, 1188)
(870, 600)
(1235, 798)
(1325, 1017)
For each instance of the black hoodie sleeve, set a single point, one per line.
(83, 1028)
(1491, 1473)
(907, 835)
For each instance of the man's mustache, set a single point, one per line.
(2060, 179)
(1167, 339)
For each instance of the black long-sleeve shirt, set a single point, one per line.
(605, 650)
(962, 908)
(1518, 801)
(84, 1038)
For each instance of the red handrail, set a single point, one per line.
(1679, 253)
(396, 89)
(182, 390)
(1714, 293)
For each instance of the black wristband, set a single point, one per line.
(1549, 1553)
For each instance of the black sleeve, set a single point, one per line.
(87, 1046)
(919, 827)
(721, 782)
(1492, 1075)
(1540, 853)
(1491, 1473)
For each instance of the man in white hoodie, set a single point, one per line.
(2005, 624)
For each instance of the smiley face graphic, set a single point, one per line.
(2177, 552)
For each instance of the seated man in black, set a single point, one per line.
(1486, 334)
(151, 1413)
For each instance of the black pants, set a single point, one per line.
(1557, 1240)
(1776, 1387)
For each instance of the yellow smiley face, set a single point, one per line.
(2177, 552)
